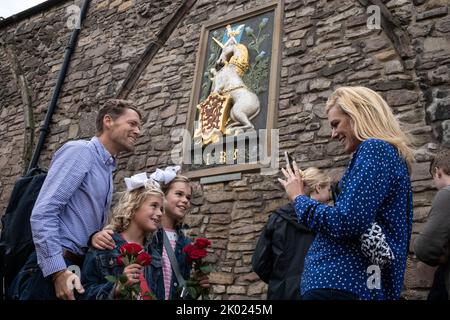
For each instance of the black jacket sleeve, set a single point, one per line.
(262, 260)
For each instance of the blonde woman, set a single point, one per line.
(282, 247)
(135, 218)
(375, 188)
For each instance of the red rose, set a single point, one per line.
(202, 243)
(133, 253)
(187, 249)
(131, 248)
(144, 259)
(196, 254)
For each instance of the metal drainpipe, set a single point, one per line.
(62, 75)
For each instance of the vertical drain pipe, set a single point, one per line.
(62, 74)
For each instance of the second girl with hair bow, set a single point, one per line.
(164, 280)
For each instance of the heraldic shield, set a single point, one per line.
(214, 115)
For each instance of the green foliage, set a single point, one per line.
(123, 279)
(256, 43)
(257, 76)
(206, 269)
(111, 279)
(126, 292)
(193, 289)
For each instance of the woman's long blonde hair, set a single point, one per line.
(129, 203)
(372, 118)
(312, 178)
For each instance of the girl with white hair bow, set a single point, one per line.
(178, 192)
(135, 217)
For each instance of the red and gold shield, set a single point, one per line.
(214, 113)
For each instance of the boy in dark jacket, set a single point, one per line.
(281, 250)
(280, 253)
(432, 244)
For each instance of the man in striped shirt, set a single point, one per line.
(75, 200)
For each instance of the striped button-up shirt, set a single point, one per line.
(73, 203)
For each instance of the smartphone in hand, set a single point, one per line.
(288, 158)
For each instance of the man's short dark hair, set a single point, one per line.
(442, 161)
(114, 108)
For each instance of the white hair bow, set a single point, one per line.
(140, 180)
(165, 176)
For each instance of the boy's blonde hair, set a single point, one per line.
(129, 203)
(312, 178)
(372, 118)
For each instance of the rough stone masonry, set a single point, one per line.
(325, 44)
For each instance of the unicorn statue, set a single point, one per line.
(230, 105)
(227, 79)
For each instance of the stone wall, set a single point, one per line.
(325, 44)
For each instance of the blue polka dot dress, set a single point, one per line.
(375, 188)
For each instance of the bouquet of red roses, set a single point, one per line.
(195, 253)
(131, 253)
